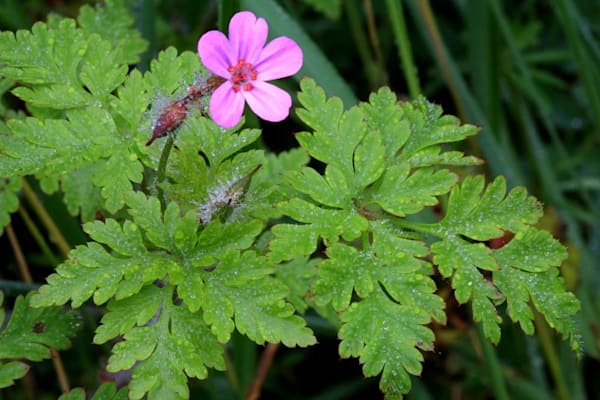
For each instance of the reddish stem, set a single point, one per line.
(266, 360)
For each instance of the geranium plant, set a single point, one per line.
(196, 232)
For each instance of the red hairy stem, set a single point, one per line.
(171, 116)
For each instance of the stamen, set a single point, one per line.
(241, 75)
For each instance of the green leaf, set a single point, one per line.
(32, 332)
(292, 240)
(44, 55)
(434, 155)
(369, 160)
(11, 371)
(298, 275)
(113, 22)
(173, 346)
(216, 145)
(168, 71)
(385, 117)
(409, 281)
(386, 335)
(124, 314)
(9, 202)
(345, 271)
(56, 96)
(80, 197)
(106, 391)
(532, 250)
(101, 71)
(336, 134)
(486, 216)
(131, 105)
(331, 190)
(115, 187)
(400, 193)
(268, 185)
(242, 289)
(146, 212)
(429, 127)
(529, 275)
(87, 140)
(92, 270)
(461, 261)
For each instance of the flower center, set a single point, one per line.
(242, 75)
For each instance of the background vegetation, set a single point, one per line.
(528, 72)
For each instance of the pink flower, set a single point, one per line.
(246, 64)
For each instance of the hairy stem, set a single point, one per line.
(421, 227)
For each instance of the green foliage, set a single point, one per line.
(106, 391)
(66, 76)
(384, 161)
(143, 263)
(29, 334)
(206, 235)
(9, 202)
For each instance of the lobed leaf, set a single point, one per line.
(215, 143)
(106, 391)
(81, 198)
(242, 289)
(434, 155)
(126, 313)
(335, 134)
(428, 127)
(529, 277)
(113, 22)
(30, 333)
(401, 193)
(11, 371)
(461, 261)
(385, 336)
(331, 190)
(385, 117)
(102, 72)
(292, 240)
(174, 346)
(484, 216)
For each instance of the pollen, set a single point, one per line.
(242, 75)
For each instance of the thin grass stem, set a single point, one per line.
(54, 233)
(396, 15)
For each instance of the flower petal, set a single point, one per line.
(280, 58)
(226, 106)
(247, 35)
(268, 101)
(216, 53)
